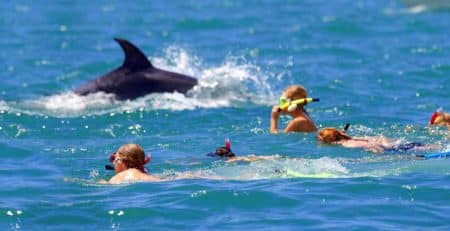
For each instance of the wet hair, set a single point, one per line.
(331, 135)
(224, 152)
(294, 92)
(442, 119)
(133, 156)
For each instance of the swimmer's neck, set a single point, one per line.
(299, 113)
(132, 169)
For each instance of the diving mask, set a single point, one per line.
(291, 105)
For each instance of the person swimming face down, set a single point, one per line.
(224, 151)
(332, 135)
(440, 118)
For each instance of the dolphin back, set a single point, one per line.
(137, 77)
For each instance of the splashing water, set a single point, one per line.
(232, 84)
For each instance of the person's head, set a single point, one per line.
(440, 119)
(224, 152)
(332, 135)
(129, 156)
(292, 93)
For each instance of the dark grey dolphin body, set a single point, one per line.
(137, 77)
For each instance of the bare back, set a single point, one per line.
(132, 175)
(300, 124)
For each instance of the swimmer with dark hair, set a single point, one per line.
(228, 154)
(376, 144)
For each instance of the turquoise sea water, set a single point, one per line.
(383, 66)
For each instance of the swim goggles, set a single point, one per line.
(291, 105)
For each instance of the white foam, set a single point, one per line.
(233, 83)
(276, 168)
(417, 9)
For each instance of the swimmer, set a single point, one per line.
(440, 118)
(376, 144)
(129, 163)
(301, 122)
(228, 154)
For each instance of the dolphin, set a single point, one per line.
(137, 77)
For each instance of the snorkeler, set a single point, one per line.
(440, 118)
(129, 163)
(292, 103)
(228, 154)
(376, 144)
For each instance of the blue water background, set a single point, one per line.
(383, 66)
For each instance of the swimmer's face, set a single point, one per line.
(119, 163)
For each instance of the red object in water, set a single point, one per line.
(227, 144)
(433, 117)
(147, 159)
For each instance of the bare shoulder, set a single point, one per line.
(140, 176)
(301, 124)
(132, 175)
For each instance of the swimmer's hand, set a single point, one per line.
(276, 112)
(274, 119)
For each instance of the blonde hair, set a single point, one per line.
(133, 156)
(442, 119)
(294, 92)
(330, 135)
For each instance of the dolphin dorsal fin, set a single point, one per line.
(134, 58)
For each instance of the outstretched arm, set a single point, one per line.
(368, 146)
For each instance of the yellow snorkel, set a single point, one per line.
(292, 105)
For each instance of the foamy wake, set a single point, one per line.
(419, 6)
(277, 167)
(271, 168)
(234, 83)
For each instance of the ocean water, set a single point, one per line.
(383, 66)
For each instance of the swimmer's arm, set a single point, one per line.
(251, 158)
(363, 144)
(374, 148)
(274, 119)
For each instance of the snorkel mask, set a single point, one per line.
(112, 158)
(291, 105)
